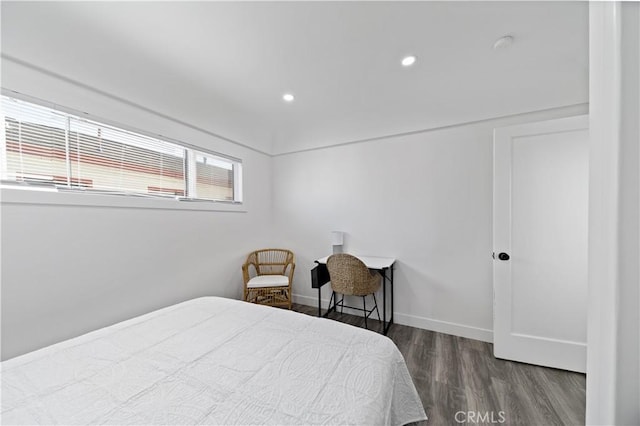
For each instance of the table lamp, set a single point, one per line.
(337, 239)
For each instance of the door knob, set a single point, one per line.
(503, 256)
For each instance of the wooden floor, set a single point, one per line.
(460, 381)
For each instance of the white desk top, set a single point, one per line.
(372, 262)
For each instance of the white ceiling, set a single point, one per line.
(223, 66)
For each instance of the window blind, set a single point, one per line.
(45, 146)
(117, 160)
(214, 177)
(34, 143)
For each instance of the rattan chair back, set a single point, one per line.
(350, 276)
(269, 262)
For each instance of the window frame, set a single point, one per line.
(14, 191)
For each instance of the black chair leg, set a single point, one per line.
(374, 299)
(364, 305)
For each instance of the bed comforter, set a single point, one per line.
(214, 361)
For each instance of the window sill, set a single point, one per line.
(50, 196)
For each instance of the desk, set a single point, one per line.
(320, 276)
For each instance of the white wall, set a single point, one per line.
(425, 199)
(628, 374)
(613, 351)
(85, 263)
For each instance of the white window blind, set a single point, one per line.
(107, 158)
(45, 146)
(214, 178)
(34, 146)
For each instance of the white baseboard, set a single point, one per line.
(446, 327)
(308, 300)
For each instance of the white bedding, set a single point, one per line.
(214, 361)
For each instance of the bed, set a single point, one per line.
(214, 361)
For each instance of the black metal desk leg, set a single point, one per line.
(384, 301)
(319, 301)
(391, 318)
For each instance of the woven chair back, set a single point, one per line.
(271, 261)
(350, 276)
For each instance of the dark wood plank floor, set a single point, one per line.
(460, 381)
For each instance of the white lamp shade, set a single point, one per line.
(337, 238)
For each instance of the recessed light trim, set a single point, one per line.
(288, 97)
(407, 61)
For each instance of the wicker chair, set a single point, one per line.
(268, 275)
(350, 277)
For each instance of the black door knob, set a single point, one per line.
(503, 256)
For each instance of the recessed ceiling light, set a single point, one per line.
(408, 61)
(288, 97)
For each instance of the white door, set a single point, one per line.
(540, 227)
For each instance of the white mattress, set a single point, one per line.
(214, 361)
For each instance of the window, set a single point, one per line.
(43, 146)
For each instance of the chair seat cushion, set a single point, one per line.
(268, 281)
